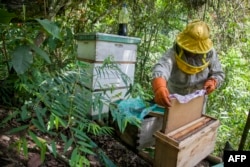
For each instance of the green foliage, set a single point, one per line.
(60, 103)
(39, 74)
(122, 120)
(40, 143)
(233, 96)
(110, 69)
(22, 59)
(21, 54)
(6, 16)
(54, 102)
(51, 28)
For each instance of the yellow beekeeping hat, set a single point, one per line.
(195, 38)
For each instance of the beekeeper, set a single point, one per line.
(191, 64)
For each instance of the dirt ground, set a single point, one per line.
(10, 157)
(112, 146)
(119, 154)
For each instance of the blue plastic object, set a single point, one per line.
(138, 107)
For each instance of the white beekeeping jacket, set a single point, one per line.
(182, 83)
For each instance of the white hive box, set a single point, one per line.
(110, 96)
(106, 78)
(96, 47)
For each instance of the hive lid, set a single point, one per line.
(106, 37)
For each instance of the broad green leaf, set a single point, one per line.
(51, 28)
(22, 59)
(5, 16)
(41, 53)
(18, 129)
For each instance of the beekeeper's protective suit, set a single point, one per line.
(191, 64)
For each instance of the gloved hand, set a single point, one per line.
(161, 92)
(210, 85)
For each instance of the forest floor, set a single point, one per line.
(116, 150)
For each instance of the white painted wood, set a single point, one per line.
(100, 50)
(93, 49)
(109, 96)
(109, 77)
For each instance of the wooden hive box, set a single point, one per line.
(187, 136)
(187, 145)
(92, 50)
(141, 137)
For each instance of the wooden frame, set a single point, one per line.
(188, 145)
(180, 114)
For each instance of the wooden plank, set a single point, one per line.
(211, 128)
(180, 114)
(156, 114)
(139, 138)
(129, 136)
(187, 131)
(190, 150)
(185, 126)
(165, 154)
(198, 146)
(166, 140)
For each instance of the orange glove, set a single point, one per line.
(210, 85)
(161, 92)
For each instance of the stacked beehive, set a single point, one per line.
(187, 136)
(95, 48)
